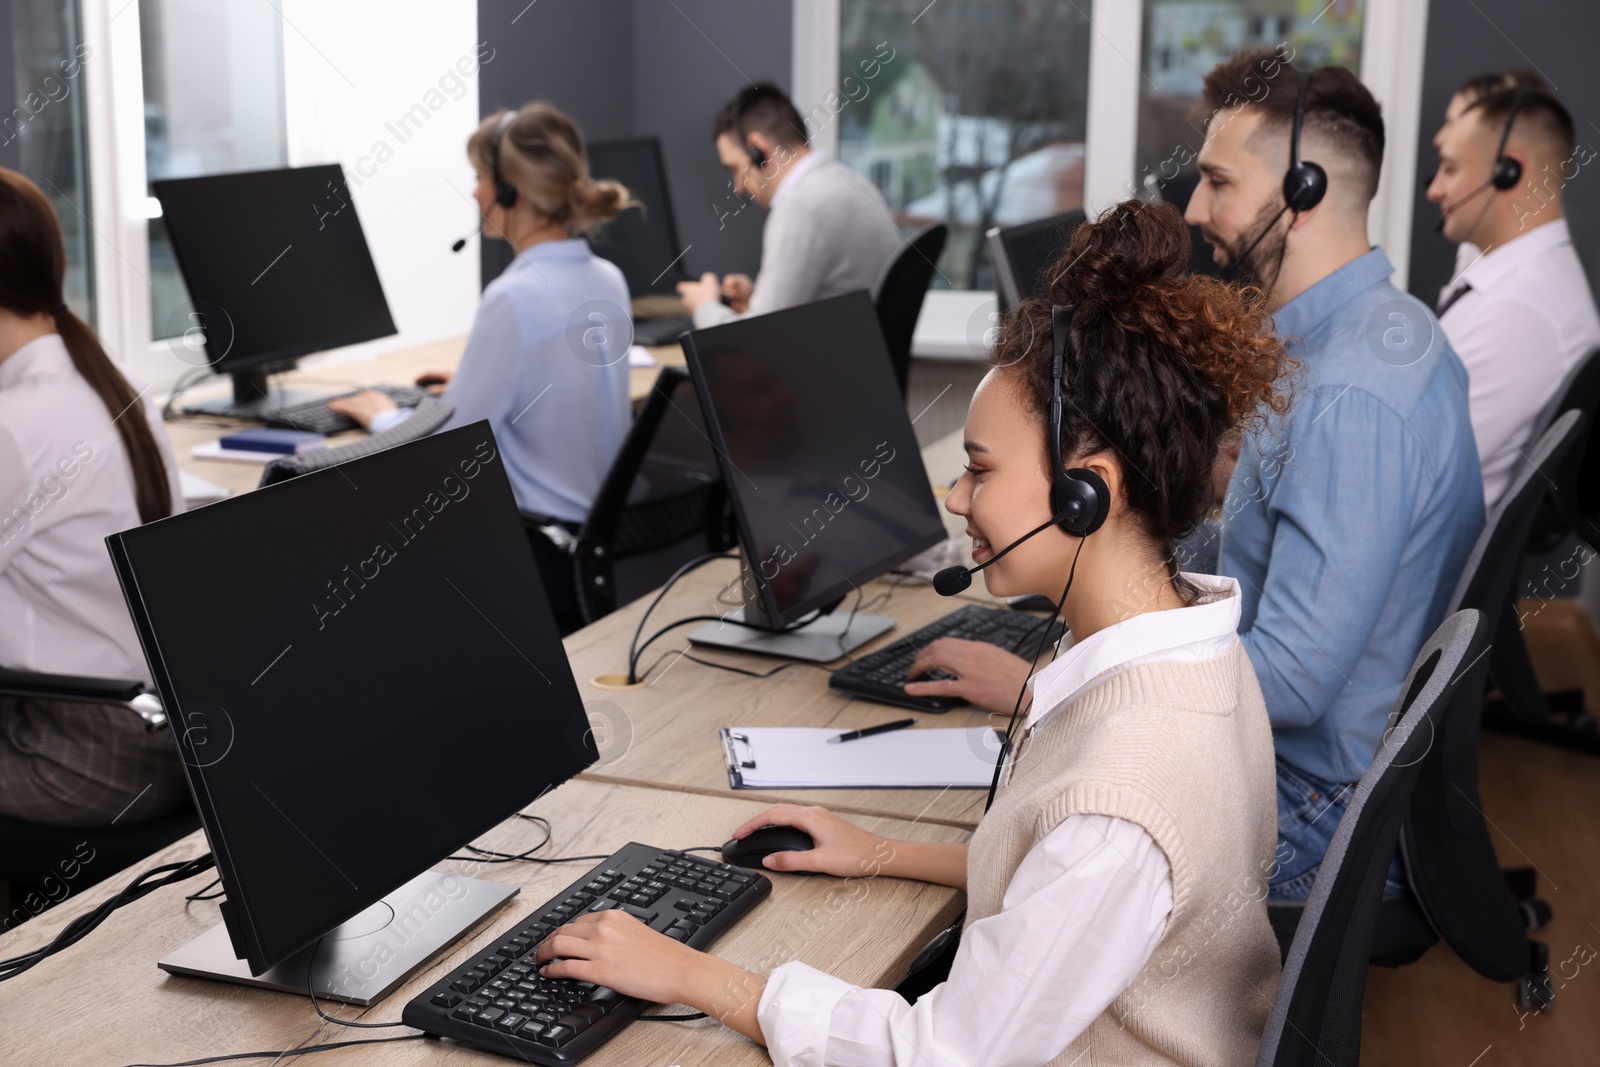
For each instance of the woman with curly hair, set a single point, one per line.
(1115, 887)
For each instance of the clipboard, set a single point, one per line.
(798, 757)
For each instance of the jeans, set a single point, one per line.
(1309, 810)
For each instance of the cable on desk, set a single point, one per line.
(285, 1053)
(311, 992)
(80, 927)
(204, 892)
(634, 654)
(693, 564)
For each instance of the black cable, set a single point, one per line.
(693, 564)
(285, 1053)
(178, 388)
(634, 654)
(311, 992)
(672, 1018)
(1016, 709)
(204, 893)
(479, 854)
(80, 927)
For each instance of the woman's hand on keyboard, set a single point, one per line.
(616, 950)
(981, 674)
(839, 847)
(363, 406)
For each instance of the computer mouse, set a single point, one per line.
(750, 850)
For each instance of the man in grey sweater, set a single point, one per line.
(828, 230)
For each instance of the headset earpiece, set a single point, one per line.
(1507, 172)
(1304, 183)
(505, 194)
(1079, 498)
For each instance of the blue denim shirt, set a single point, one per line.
(1349, 520)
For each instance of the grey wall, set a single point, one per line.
(10, 152)
(626, 68)
(1552, 36)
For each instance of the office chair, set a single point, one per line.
(1569, 508)
(1021, 254)
(1560, 499)
(427, 417)
(899, 292)
(1457, 891)
(33, 855)
(1316, 1014)
(662, 503)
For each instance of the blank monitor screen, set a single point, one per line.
(275, 262)
(642, 241)
(362, 673)
(816, 449)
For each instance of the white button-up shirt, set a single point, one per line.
(65, 484)
(1080, 918)
(1525, 323)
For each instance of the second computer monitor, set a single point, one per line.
(1023, 254)
(643, 240)
(817, 452)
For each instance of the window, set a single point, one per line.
(43, 137)
(975, 116)
(1183, 39)
(213, 103)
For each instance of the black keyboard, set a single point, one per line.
(499, 1002)
(314, 416)
(662, 331)
(879, 676)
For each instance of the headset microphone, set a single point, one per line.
(953, 580)
(461, 242)
(1444, 216)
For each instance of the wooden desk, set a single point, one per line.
(104, 1001)
(397, 368)
(667, 728)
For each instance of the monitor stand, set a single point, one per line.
(826, 638)
(362, 960)
(254, 398)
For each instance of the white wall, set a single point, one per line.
(352, 69)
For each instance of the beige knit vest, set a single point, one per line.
(1185, 751)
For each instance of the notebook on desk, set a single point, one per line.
(799, 757)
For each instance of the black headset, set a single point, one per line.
(505, 194)
(747, 99)
(1305, 183)
(1079, 498)
(1507, 172)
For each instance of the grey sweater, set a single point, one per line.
(830, 233)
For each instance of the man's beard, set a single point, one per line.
(1262, 262)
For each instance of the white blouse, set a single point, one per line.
(1079, 920)
(65, 484)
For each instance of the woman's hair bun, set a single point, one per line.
(596, 200)
(1128, 255)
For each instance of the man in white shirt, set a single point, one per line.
(829, 230)
(1521, 314)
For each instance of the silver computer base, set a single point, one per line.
(828, 638)
(360, 961)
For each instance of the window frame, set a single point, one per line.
(1394, 36)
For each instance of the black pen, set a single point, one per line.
(898, 724)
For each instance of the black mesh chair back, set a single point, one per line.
(1450, 862)
(1316, 1016)
(661, 504)
(1573, 504)
(899, 291)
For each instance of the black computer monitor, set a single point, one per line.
(277, 267)
(817, 452)
(382, 684)
(1022, 254)
(642, 241)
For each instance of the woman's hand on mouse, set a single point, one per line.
(841, 847)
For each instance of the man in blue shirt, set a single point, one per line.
(1348, 521)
